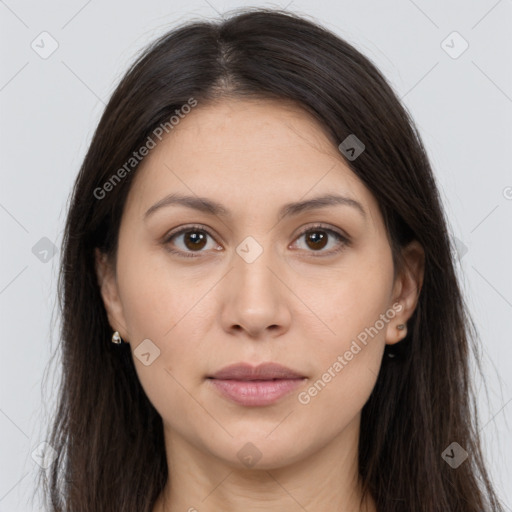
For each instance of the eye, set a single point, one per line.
(194, 239)
(317, 238)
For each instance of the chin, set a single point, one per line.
(258, 451)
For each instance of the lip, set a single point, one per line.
(264, 371)
(259, 385)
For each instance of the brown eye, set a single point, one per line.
(316, 239)
(188, 241)
(194, 240)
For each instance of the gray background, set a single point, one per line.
(462, 105)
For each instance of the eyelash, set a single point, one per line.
(344, 241)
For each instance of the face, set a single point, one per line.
(255, 281)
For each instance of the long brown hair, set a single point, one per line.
(107, 436)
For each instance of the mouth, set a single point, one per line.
(260, 385)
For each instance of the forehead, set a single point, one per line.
(247, 153)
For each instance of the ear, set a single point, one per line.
(406, 290)
(109, 291)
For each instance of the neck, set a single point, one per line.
(325, 479)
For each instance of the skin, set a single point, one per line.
(289, 306)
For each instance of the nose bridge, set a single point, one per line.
(256, 298)
(253, 262)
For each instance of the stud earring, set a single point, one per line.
(116, 338)
(400, 327)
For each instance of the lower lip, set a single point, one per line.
(256, 392)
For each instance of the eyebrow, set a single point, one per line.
(208, 206)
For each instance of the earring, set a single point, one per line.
(116, 338)
(400, 327)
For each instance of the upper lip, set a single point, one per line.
(264, 371)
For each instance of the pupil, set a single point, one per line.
(319, 242)
(196, 238)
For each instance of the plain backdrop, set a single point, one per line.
(450, 62)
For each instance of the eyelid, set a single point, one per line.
(344, 239)
(325, 227)
(181, 230)
(189, 227)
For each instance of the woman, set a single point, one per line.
(257, 229)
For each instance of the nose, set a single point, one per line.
(255, 298)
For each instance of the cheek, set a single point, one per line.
(348, 356)
(168, 313)
(157, 299)
(171, 309)
(350, 298)
(335, 399)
